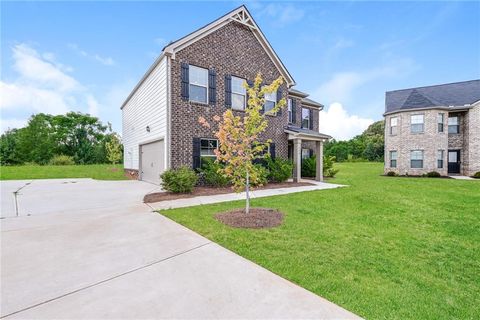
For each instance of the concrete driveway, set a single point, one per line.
(81, 248)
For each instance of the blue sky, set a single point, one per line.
(87, 56)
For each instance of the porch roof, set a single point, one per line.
(295, 132)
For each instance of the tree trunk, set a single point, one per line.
(247, 203)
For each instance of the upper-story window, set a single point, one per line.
(305, 118)
(198, 84)
(417, 123)
(440, 122)
(239, 93)
(453, 124)
(290, 110)
(416, 159)
(393, 125)
(270, 101)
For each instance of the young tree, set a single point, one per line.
(238, 137)
(114, 149)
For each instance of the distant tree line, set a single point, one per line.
(79, 136)
(368, 146)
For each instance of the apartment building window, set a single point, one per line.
(453, 124)
(441, 122)
(198, 85)
(393, 159)
(208, 147)
(416, 159)
(305, 118)
(393, 125)
(270, 101)
(417, 123)
(440, 155)
(290, 111)
(239, 94)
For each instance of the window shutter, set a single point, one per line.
(212, 87)
(196, 153)
(185, 81)
(311, 119)
(228, 91)
(294, 111)
(272, 150)
(279, 97)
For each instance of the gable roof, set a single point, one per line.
(450, 95)
(240, 15)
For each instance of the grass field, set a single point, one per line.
(384, 247)
(95, 171)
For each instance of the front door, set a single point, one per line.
(453, 161)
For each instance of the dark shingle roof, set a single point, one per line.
(298, 93)
(444, 95)
(307, 132)
(311, 102)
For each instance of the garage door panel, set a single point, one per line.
(152, 161)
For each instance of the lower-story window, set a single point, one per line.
(208, 147)
(416, 159)
(440, 156)
(393, 159)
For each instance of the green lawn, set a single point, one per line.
(384, 247)
(95, 171)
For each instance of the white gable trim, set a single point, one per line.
(242, 16)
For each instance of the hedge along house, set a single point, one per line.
(434, 128)
(202, 74)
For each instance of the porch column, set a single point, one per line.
(297, 160)
(319, 155)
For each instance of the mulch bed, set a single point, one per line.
(257, 218)
(209, 191)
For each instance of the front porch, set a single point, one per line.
(298, 135)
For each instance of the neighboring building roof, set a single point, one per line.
(310, 102)
(306, 132)
(297, 93)
(450, 95)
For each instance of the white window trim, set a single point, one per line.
(301, 124)
(244, 94)
(290, 110)
(267, 96)
(198, 85)
(417, 123)
(207, 156)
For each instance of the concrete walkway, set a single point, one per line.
(189, 202)
(90, 249)
(463, 178)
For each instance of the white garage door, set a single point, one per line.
(152, 158)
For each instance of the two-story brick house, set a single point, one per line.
(202, 74)
(434, 128)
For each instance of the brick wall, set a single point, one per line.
(298, 121)
(232, 49)
(430, 141)
(472, 124)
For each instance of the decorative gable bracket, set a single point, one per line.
(244, 18)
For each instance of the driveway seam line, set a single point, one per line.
(105, 280)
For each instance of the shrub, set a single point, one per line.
(391, 174)
(477, 175)
(180, 180)
(279, 170)
(309, 167)
(211, 173)
(328, 170)
(61, 160)
(262, 175)
(433, 174)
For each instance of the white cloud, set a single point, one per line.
(336, 122)
(6, 124)
(108, 61)
(280, 13)
(41, 85)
